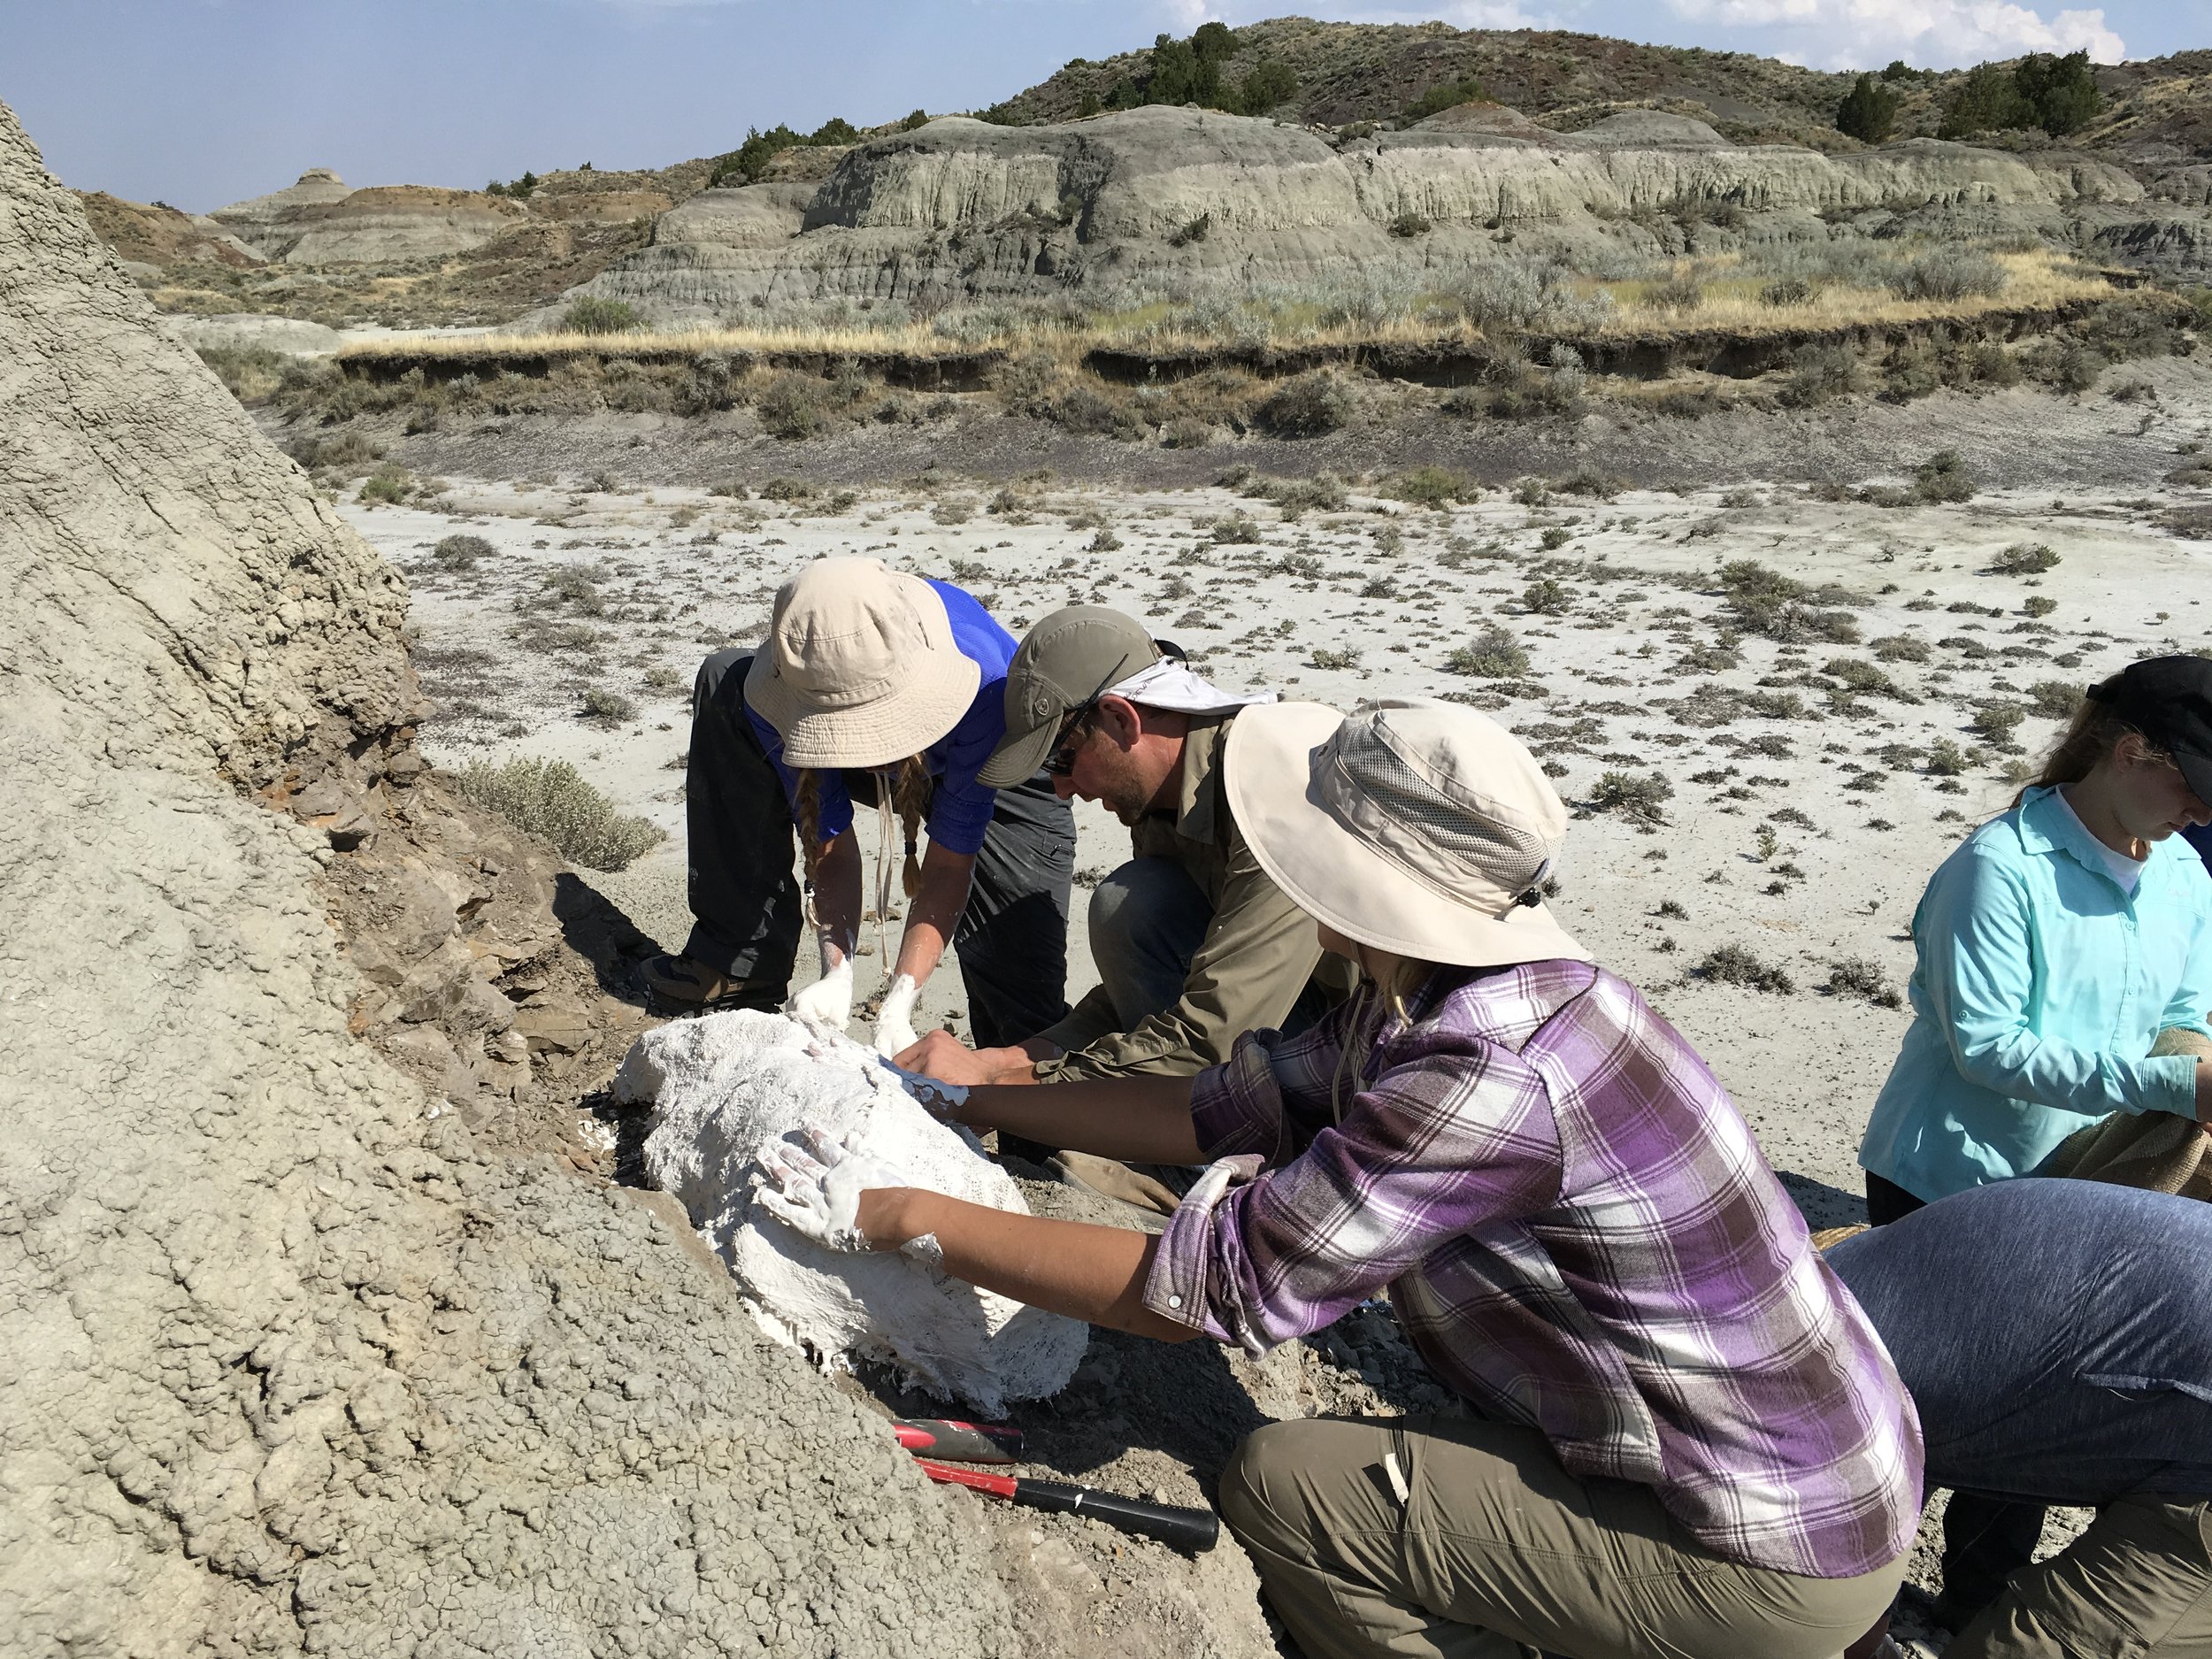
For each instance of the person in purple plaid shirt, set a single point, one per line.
(1683, 1436)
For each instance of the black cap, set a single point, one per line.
(2169, 700)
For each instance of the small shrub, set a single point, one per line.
(1732, 964)
(1494, 654)
(389, 483)
(1948, 274)
(1994, 722)
(1943, 477)
(2024, 558)
(1786, 291)
(1555, 537)
(1946, 759)
(1857, 976)
(1820, 373)
(1324, 657)
(792, 406)
(591, 314)
(1193, 230)
(1308, 405)
(460, 552)
(1409, 223)
(1105, 541)
(1436, 487)
(1234, 528)
(606, 708)
(1900, 648)
(2037, 605)
(953, 509)
(1641, 800)
(2054, 699)
(551, 798)
(1548, 598)
(1680, 293)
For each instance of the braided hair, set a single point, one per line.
(908, 790)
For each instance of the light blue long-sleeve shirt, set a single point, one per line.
(2040, 988)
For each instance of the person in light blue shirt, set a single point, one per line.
(2054, 947)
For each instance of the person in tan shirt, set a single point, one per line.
(1194, 943)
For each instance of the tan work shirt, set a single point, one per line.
(1258, 953)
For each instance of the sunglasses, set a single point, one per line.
(1061, 761)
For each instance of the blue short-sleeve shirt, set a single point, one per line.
(960, 809)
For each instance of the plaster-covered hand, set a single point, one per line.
(829, 1000)
(894, 1023)
(813, 1186)
(941, 1101)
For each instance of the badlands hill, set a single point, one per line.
(304, 1351)
(1183, 198)
(1576, 145)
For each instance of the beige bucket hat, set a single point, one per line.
(859, 668)
(1417, 826)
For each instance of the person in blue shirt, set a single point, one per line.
(2056, 1340)
(2053, 946)
(888, 690)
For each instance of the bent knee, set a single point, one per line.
(1257, 1497)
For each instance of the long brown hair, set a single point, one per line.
(2092, 734)
(910, 799)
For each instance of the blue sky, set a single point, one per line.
(201, 102)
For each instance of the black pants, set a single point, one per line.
(1012, 939)
(1985, 1539)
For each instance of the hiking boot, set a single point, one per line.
(683, 985)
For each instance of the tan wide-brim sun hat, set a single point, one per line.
(1417, 826)
(859, 668)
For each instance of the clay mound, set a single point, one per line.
(294, 1364)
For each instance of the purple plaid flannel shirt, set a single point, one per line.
(1578, 1233)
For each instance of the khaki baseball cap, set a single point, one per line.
(860, 667)
(1415, 826)
(1065, 662)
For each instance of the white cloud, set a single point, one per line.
(1935, 33)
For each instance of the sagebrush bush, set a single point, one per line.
(2055, 699)
(606, 708)
(1641, 799)
(2024, 558)
(460, 552)
(1859, 976)
(551, 798)
(1732, 964)
(1948, 274)
(1494, 654)
(1309, 405)
(1943, 477)
(591, 314)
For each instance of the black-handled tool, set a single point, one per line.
(1182, 1529)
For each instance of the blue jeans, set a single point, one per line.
(1148, 920)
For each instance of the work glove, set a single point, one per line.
(941, 1101)
(894, 1023)
(829, 1000)
(813, 1186)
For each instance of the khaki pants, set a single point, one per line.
(2138, 1584)
(1496, 1549)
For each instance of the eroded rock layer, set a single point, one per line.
(294, 1362)
(962, 209)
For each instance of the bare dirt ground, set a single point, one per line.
(1816, 748)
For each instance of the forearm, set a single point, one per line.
(1092, 1273)
(934, 911)
(1144, 1119)
(837, 899)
